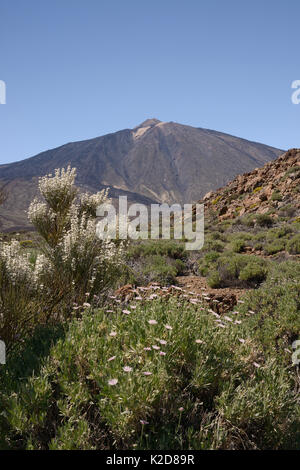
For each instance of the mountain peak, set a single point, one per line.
(148, 123)
(154, 162)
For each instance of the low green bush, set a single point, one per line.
(260, 236)
(274, 247)
(214, 281)
(207, 262)
(253, 272)
(237, 246)
(276, 196)
(156, 268)
(264, 220)
(293, 245)
(292, 170)
(287, 211)
(246, 220)
(104, 386)
(237, 269)
(168, 248)
(217, 235)
(280, 232)
(213, 245)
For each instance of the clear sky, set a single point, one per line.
(77, 69)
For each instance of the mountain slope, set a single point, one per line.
(273, 189)
(154, 162)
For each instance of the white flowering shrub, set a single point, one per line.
(19, 292)
(72, 266)
(76, 264)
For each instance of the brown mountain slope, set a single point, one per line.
(154, 162)
(273, 189)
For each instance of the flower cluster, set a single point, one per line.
(59, 190)
(16, 264)
(68, 225)
(90, 202)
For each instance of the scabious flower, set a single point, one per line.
(111, 358)
(152, 296)
(162, 353)
(127, 369)
(168, 327)
(152, 322)
(143, 422)
(228, 318)
(162, 341)
(147, 373)
(155, 347)
(113, 333)
(113, 382)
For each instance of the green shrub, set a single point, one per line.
(213, 245)
(237, 246)
(296, 189)
(216, 235)
(156, 269)
(216, 392)
(293, 245)
(293, 169)
(247, 220)
(168, 248)
(280, 232)
(207, 262)
(245, 236)
(287, 211)
(258, 246)
(214, 280)
(276, 196)
(237, 269)
(253, 272)
(180, 267)
(260, 236)
(274, 247)
(264, 220)
(276, 322)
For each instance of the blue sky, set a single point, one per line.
(79, 69)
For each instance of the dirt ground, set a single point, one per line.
(192, 288)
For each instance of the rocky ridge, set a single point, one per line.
(265, 190)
